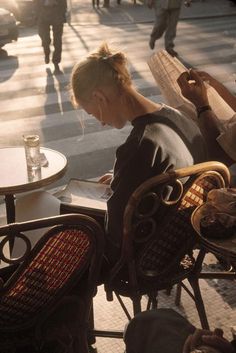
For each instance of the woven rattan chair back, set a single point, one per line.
(50, 269)
(158, 231)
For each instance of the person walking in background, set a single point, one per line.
(51, 14)
(166, 19)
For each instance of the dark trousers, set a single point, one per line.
(165, 22)
(44, 29)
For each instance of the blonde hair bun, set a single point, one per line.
(103, 67)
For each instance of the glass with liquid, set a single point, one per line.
(32, 151)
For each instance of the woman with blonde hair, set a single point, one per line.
(161, 139)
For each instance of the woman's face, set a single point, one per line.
(106, 108)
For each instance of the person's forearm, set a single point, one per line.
(208, 124)
(224, 93)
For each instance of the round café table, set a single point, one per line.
(223, 248)
(16, 178)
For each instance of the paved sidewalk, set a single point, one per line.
(83, 12)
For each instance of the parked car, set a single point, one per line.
(9, 5)
(8, 27)
(26, 11)
(23, 10)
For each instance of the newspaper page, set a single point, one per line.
(86, 194)
(221, 109)
(166, 70)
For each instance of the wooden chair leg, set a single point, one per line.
(91, 338)
(168, 290)
(199, 302)
(152, 300)
(149, 303)
(178, 294)
(154, 303)
(136, 304)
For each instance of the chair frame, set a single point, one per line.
(199, 171)
(83, 223)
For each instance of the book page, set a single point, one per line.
(86, 194)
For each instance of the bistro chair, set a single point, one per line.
(158, 238)
(55, 278)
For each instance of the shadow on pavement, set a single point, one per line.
(11, 68)
(77, 33)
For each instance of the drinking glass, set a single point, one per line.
(32, 151)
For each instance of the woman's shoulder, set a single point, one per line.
(169, 111)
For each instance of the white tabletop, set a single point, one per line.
(14, 176)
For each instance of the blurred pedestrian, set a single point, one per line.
(107, 3)
(96, 2)
(166, 19)
(51, 14)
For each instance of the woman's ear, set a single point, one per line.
(98, 96)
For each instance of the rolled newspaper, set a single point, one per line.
(166, 70)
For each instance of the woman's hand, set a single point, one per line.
(106, 179)
(208, 342)
(193, 88)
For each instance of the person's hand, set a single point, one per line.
(207, 78)
(207, 342)
(193, 88)
(106, 179)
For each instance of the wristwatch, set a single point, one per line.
(202, 109)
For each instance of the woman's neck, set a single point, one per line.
(138, 105)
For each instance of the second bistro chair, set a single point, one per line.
(158, 239)
(48, 297)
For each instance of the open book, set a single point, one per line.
(166, 70)
(86, 196)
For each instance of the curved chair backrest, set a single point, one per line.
(158, 236)
(51, 268)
